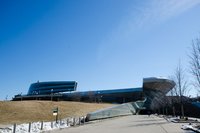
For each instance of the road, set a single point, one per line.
(127, 124)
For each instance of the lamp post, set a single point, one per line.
(55, 113)
(51, 94)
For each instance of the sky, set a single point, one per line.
(101, 44)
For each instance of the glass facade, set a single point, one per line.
(45, 88)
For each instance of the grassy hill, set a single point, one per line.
(30, 111)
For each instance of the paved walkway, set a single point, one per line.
(127, 124)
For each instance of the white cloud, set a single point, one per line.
(149, 13)
(161, 10)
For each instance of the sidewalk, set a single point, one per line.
(133, 123)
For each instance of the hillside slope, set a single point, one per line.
(30, 111)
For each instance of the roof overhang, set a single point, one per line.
(161, 84)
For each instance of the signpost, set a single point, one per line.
(55, 113)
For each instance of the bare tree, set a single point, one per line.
(173, 93)
(181, 85)
(195, 62)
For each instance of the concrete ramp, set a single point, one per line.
(119, 110)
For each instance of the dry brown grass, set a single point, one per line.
(30, 111)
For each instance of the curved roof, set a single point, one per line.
(52, 87)
(158, 83)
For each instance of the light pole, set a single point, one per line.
(51, 94)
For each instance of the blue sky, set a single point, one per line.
(101, 44)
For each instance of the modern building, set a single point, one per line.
(46, 88)
(153, 89)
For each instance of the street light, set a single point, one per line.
(51, 94)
